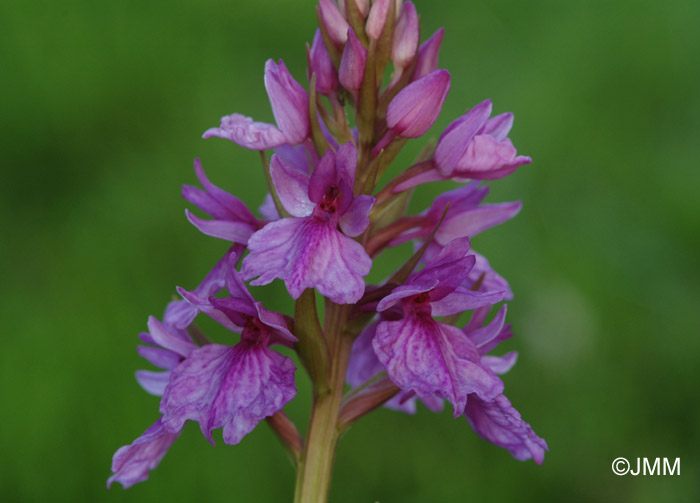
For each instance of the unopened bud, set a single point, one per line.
(352, 65)
(406, 35)
(334, 22)
(320, 64)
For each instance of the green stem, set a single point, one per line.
(316, 464)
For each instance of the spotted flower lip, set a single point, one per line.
(428, 357)
(308, 250)
(290, 106)
(232, 387)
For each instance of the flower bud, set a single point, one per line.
(406, 35)
(428, 53)
(411, 113)
(377, 18)
(352, 65)
(320, 63)
(334, 22)
(290, 103)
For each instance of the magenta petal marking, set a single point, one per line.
(429, 358)
(247, 133)
(498, 422)
(233, 388)
(132, 463)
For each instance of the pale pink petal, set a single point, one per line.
(247, 133)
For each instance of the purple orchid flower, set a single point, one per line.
(476, 147)
(290, 106)
(132, 463)
(472, 147)
(425, 356)
(232, 387)
(308, 250)
(233, 221)
(364, 365)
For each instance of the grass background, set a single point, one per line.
(103, 105)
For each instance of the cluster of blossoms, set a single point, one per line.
(328, 214)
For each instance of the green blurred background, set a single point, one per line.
(103, 105)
